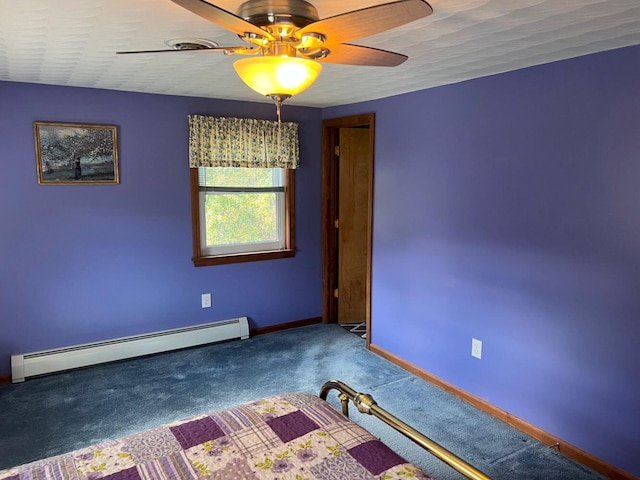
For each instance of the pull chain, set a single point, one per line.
(278, 99)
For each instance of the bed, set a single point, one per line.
(296, 436)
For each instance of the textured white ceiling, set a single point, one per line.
(73, 42)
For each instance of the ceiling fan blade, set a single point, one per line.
(222, 17)
(228, 49)
(347, 54)
(367, 21)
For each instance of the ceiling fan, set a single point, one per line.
(286, 39)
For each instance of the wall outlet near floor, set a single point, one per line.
(206, 300)
(476, 348)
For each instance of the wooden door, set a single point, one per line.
(353, 223)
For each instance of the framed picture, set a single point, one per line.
(74, 153)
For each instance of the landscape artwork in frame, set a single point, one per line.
(70, 153)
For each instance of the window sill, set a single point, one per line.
(242, 257)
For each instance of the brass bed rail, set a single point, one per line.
(366, 404)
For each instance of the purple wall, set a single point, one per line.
(507, 209)
(87, 263)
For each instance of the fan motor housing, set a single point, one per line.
(266, 13)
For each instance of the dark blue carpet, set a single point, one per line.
(59, 413)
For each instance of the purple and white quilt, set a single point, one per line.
(296, 436)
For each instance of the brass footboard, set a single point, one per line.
(366, 404)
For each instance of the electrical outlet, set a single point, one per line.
(476, 348)
(206, 300)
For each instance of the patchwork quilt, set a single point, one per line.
(296, 436)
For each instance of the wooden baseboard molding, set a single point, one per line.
(5, 378)
(284, 326)
(565, 448)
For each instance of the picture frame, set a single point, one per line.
(76, 153)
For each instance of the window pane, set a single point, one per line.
(243, 214)
(240, 177)
(233, 218)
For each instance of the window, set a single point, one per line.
(242, 188)
(241, 214)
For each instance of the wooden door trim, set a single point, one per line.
(330, 130)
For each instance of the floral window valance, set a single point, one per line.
(242, 142)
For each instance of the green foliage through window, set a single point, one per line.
(241, 218)
(242, 206)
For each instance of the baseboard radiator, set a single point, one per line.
(48, 361)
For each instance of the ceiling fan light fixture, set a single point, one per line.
(280, 76)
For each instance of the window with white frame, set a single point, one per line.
(242, 173)
(241, 210)
(242, 214)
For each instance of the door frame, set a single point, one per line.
(330, 133)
